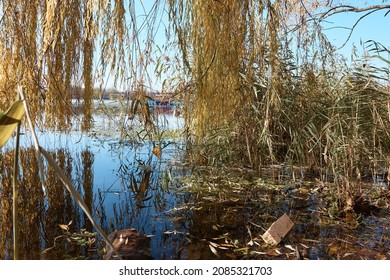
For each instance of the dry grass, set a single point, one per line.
(260, 100)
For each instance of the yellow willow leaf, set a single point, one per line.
(157, 151)
(9, 120)
(213, 250)
(64, 227)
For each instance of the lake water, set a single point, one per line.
(122, 181)
(202, 213)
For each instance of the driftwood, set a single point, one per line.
(130, 245)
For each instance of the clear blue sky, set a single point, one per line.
(337, 28)
(373, 27)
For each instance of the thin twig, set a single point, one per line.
(69, 186)
(15, 227)
(34, 136)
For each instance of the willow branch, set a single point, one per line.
(347, 9)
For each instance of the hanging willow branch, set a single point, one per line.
(56, 49)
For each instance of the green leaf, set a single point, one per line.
(9, 120)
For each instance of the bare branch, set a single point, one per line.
(354, 26)
(346, 9)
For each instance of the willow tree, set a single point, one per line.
(57, 49)
(242, 57)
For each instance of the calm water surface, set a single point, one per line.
(123, 182)
(127, 186)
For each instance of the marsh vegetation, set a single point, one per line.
(273, 120)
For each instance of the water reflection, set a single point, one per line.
(121, 182)
(126, 186)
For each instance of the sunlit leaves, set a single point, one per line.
(157, 151)
(9, 120)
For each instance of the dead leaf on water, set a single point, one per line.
(289, 247)
(213, 250)
(272, 252)
(64, 227)
(304, 246)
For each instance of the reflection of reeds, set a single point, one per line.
(58, 172)
(8, 121)
(69, 186)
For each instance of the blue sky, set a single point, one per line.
(337, 28)
(373, 27)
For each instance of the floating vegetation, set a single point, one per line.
(229, 212)
(69, 242)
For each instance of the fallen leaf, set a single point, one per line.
(64, 227)
(304, 246)
(289, 247)
(213, 250)
(226, 245)
(347, 254)
(303, 190)
(272, 252)
(258, 253)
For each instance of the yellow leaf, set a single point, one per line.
(157, 151)
(213, 250)
(9, 120)
(64, 227)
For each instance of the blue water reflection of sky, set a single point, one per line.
(116, 164)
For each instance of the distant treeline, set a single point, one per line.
(77, 92)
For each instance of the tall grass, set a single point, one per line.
(270, 90)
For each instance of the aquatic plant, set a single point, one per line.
(268, 88)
